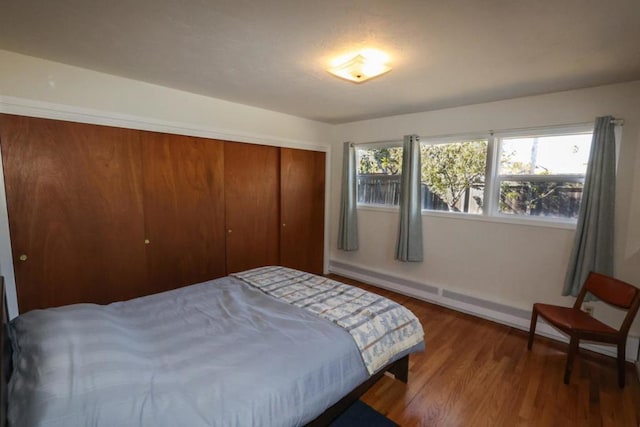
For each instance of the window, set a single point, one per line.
(379, 173)
(453, 175)
(542, 175)
(535, 174)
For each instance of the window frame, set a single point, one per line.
(495, 178)
(490, 210)
(375, 146)
(459, 138)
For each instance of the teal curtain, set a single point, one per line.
(348, 228)
(593, 244)
(409, 244)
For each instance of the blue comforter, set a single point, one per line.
(220, 353)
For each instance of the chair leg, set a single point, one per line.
(532, 328)
(573, 350)
(622, 349)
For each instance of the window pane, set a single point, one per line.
(379, 171)
(547, 198)
(545, 155)
(453, 176)
(543, 176)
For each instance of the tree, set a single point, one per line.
(386, 161)
(546, 198)
(451, 170)
(527, 194)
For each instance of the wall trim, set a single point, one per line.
(49, 110)
(497, 312)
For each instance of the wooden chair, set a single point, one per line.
(580, 325)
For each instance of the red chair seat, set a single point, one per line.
(569, 318)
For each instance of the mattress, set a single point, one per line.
(219, 353)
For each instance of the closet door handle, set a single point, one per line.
(147, 241)
(23, 257)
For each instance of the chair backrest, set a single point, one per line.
(615, 292)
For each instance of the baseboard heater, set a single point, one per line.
(498, 312)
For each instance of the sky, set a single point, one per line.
(564, 154)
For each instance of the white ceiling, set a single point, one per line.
(273, 54)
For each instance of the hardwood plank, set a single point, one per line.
(479, 373)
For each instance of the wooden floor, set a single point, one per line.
(479, 373)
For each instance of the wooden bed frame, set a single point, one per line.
(399, 368)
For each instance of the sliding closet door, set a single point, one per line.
(184, 209)
(74, 196)
(251, 201)
(302, 209)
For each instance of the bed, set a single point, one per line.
(266, 347)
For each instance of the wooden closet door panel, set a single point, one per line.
(184, 209)
(302, 209)
(74, 199)
(251, 205)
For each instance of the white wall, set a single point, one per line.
(36, 86)
(511, 264)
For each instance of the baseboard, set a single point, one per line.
(516, 317)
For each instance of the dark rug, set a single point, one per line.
(361, 414)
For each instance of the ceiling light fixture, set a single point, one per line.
(361, 66)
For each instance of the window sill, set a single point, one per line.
(501, 219)
(379, 208)
(504, 219)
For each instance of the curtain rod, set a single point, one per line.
(535, 128)
(615, 121)
(353, 144)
